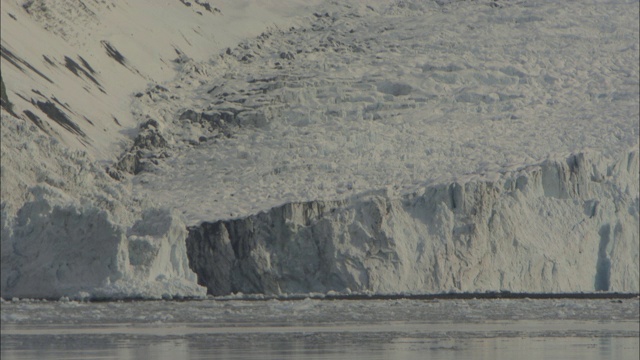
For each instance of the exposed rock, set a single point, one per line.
(149, 138)
(128, 163)
(140, 157)
(287, 55)
(4, 99)
(190, 115)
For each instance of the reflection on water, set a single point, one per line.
(318, 344)
(456, 329)
(489, 349)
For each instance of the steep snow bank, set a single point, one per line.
(565, 225)
(86, 59)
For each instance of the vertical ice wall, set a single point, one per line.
(565, 225)
(68, 229)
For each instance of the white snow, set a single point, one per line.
(400, 101)
(150, 35)
(297, 101)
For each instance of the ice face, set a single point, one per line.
(546, 228)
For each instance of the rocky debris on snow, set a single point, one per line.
(148, 146)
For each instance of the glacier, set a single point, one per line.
(278, 147)
(565, 225)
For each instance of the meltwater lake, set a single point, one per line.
(323, 329)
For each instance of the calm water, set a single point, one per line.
(316, 329)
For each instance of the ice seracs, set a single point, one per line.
(565, 225)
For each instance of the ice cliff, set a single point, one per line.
(78, 233)
(565, 225)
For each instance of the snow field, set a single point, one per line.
(358, 101)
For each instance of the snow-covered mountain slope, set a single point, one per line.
(74, 65)
(426, 145)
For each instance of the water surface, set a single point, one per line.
(321, 329)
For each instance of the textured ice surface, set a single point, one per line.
(561, 226)
(357, 100)
(453, 120)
